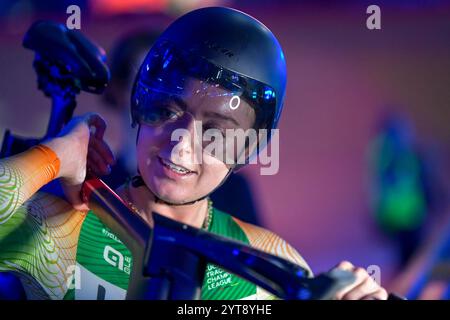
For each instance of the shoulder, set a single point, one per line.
(260, 238)
(41, 240)
(47, 212)
(272, 243)
(53, 212)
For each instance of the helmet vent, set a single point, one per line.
(214, 46)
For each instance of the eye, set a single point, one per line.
(168, 114)
(160, 114)
(214, 126)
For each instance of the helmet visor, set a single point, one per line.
(175, 87)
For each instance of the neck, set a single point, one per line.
(144, 200)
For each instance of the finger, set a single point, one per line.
(96, 121)
(345, 265)
(360, 275)
(365, 288)
(93, 169)
(97, 164)
(103, 149)
(73, 195)
(380, 294)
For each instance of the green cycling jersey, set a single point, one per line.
(61, 253)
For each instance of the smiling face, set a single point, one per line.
(180, 177)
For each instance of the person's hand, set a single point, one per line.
(363, 288)
(80, 146)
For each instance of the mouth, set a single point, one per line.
(180, 170)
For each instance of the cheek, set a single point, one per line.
(213, 172)
(147, 147)
(143, 154)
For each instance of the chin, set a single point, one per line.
(171, 192)
(166, 188)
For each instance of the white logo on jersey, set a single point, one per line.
(73, 280)
(93, 287)
(113, 257)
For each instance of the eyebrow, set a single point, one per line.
(221, 116)
(180, 102)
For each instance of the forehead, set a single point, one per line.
(202, 98)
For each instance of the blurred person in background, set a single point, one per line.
(124, 61)
(404, 189)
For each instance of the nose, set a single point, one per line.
(185, 141)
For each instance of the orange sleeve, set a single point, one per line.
(24, 174)
(269, 242)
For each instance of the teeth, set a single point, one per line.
(174, 167)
